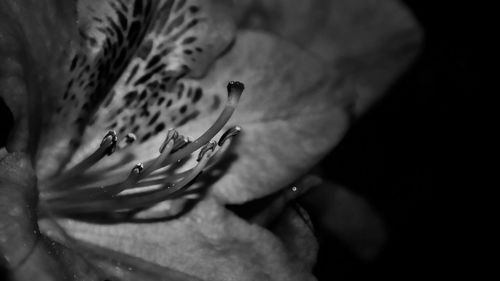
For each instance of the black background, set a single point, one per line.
(409, 154)
(411, 157)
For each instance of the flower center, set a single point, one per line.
(148, 183)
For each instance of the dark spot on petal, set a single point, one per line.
(194, 9)
(148, 75)
(188, 118)
(130, 97)
(192, 23)
(198, 93)
(154, 118)
(143, 95)
(145, 49)
(137, 8)
(73, 63)
(154, 60)
(132, 73)
(123, 20)
(183, 109)
(160, 101)
(216, 103)
(188, 40)
(159, 127)
(164, 15)
(175, 23)
(146, 137)
(120, 59)
(179, 6)
(180, 91)
(133, 33)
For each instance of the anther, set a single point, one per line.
(107, 147)
(229, 133)
(130, 138)
(110, 140)
(137, 169)
(127, 140)
(172, 134)
(180, 143)
(208, 147)
(132, 201)
(234, 92)
(235, 86)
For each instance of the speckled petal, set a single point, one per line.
(133, 54)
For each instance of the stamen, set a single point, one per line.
(110, 140)
(163, 180)
(208, 147)
(165, 149)
(114, 189)
(134, 201)
(99, 192)
(171, 135)
(107, 147)
(235, 89)
(155, 172)
(231, 132)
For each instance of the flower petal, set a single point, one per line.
(293, 111)
(136, 51)
(371, 40)
(34, 41)
(209, 242)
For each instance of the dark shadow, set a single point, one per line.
(6, 122)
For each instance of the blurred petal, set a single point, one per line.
(348, 217)
(209, 242)
(371, 40)
(35, 39)
(295, 232)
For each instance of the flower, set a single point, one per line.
(70, 73)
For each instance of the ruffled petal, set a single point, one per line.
(208, 242)
(370, 40)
